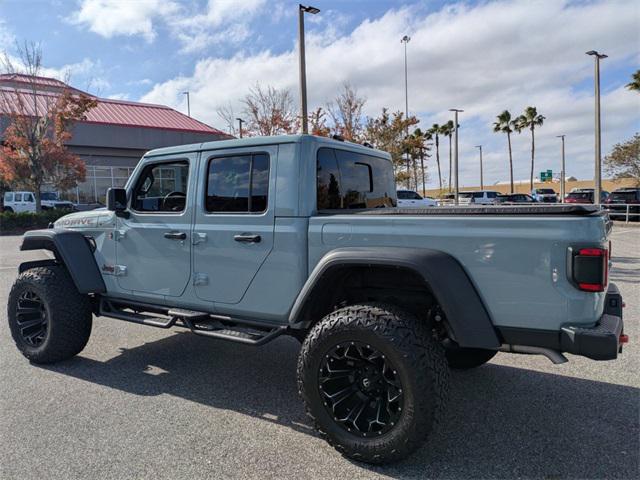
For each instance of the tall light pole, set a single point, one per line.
(303, 69)
(481, 181)
(406, 40)
(562, 172)
(188, 104)
(455, 152)
(598, 176)
(240, 122)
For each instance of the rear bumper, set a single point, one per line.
(599, 342)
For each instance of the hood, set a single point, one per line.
(100, 218)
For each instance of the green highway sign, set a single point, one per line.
(546, 176)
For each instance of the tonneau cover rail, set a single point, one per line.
(574, 210)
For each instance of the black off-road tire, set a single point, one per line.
(466, 358)
(416, 356)
(66, 313)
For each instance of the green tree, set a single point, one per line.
(634, 85)
(388, 132)
(504, 124)
(529, 120)
(434, 131)
(624, 160)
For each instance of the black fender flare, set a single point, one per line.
(446, 277)
(70, 248)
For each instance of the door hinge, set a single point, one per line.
(117, 235)
(198, 237)
(200, 279)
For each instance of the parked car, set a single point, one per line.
(411, 199)
(26, 202)
(584, 195)
(544, 195)
(246, 240)
(446, 199)
(618, 201)
(516, 198)
(481, 197)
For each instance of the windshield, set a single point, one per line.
(546, 191)
(466, 195)
(49, 196)
(408, 195)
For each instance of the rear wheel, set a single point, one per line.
(48, 318)
(373, 380)
(465, 358)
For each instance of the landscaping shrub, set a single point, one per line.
(11, 222)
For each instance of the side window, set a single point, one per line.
(328, 180)
(492, 194)
(8, 197)
(162, 187)
(238, 183)
(28, 198)
(18, 197)
(478, 195)
(353, 180)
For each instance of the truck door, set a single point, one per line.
(153, 248)
(234, 222)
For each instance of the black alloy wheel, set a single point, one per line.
(361, 389)
(31, 318)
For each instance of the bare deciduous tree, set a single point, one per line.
(346, 113)
(269, 111)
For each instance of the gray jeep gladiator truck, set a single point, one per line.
(247, 240)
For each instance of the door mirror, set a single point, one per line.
(117, 200)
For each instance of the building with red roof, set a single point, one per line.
(113, 137)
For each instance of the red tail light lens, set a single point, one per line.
(591, 269)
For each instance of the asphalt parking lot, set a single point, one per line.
(140, 403)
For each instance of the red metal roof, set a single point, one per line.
(107, 112)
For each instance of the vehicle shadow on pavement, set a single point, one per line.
(501, 421)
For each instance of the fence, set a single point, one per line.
(627, 213)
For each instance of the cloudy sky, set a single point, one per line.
(483, 57)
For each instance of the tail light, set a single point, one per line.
(590, 269)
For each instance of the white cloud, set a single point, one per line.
(221, 21)
(484, 58)
(6, 35)
(110, 18)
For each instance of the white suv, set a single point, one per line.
(26, 201)
(412, 199)
(482, 197)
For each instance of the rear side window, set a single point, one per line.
(238, 183)
(8, 197)
(18, 197)
(353, 180)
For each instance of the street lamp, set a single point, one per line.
(455, 151)
(303, 70)
(481, 182)
(562, 173)
(598, 180)
(240, 122)
(188, 104)
(406, 40)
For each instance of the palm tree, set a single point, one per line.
(504, 124)
(434, 131)
(420, 149)
(447, 130)
(634, 85)
(530, 119)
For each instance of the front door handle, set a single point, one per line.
(175, 235)
(247, 238)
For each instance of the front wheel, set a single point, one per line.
(48, 318)
(373, 380)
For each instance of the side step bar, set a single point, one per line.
(200, 323)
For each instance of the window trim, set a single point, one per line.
(237, 154)
(137, 182)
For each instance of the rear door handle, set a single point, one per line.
(175, 235)
(247, 238)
